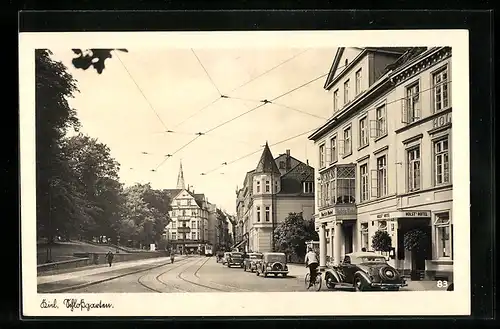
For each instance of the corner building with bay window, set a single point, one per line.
(384, 157)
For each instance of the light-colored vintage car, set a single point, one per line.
(364, 271)
(272, 263)
(225, 258)
(251, 261)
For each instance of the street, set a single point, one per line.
(192, 274)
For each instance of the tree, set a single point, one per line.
(56, 194)
(381, 241)
(415, 241)
(92, 57)
(291, 235)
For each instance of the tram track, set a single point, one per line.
(157, 278)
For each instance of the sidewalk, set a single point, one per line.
(101, 269)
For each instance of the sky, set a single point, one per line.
(145, 92)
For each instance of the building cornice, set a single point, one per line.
(420, 63)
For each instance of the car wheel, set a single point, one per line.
(330, 284)
(228, 265)
(284, 275)
(358, 284)
(265, 274)
(257, 273)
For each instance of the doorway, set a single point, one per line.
(348, 235)
(419, 255)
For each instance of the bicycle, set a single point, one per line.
(318, 281)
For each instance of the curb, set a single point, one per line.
(84, 285)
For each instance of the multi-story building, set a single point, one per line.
(211, 224)
(188, 229)
(277, 187)
(384, 156)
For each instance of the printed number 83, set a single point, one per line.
(442, 284)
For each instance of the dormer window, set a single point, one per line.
(282, 164)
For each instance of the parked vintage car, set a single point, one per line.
(250, 263)
(272, 263)
(235, 258)
(364, 271)
(225, 258)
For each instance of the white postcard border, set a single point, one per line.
(456, 302)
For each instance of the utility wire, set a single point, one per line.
(204, 69)
(300, 111)
(257, 151)
(234, 89)
(140, 90)
(176, 151)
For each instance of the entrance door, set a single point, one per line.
(348, 229)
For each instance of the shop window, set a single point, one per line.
(443, 235)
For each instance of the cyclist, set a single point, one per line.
(311, 261)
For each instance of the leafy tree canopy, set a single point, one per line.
(292, 234)
(381, 241)
(93, 57)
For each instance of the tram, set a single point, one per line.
(209, 250)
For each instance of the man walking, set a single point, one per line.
(312, 263)
(109, 257)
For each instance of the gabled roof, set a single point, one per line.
(291, 182)
(198, 198)
(267, 164)
(397, 51)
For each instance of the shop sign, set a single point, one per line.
(183, 229)
(326, 213)
(345, 210)
(383, 216)
(441, 120)
(425, 214)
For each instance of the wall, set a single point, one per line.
(286, 205)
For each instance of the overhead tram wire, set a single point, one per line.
(206, 72)
(257, 151)
(264, 102)
(142, 93)
(176, 151)
(240, 86)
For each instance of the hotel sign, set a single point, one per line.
(441, 120)
(403, 214)
(183, 229)
(338, 211)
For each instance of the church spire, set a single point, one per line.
(180, 179)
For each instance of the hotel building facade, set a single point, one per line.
(385, 156)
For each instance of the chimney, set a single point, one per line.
(288, 163)
(307, 162)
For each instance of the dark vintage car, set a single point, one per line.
(364, 271)
(234, 259)
(272, 263)
(251, 261)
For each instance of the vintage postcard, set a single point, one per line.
(245, 173)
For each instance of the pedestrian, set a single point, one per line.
(172, 257)
(110, 256)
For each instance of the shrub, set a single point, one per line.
(381, 241)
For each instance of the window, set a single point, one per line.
(363, 169)
(441, 162)
(282, 164)
(193, 235)
(364, 236)
(258, 214)
(381, 123)
(414, 169)
(322, 155)
(268, 189)
(347, 141)
(381, 176)
(440, 87)
(412, 103)
(174, 236)
(363, 132)
(193, 224)
(337, 185)
(333, 149)
(178, 202)
(268, 213)
(346, 92)
(183, 212)
(443, 235)
(258, 187)
(275, 186)
(308, 187)
(174, 224)
(335, 100)
(358, 81)
(188, 202)
(193, 213)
